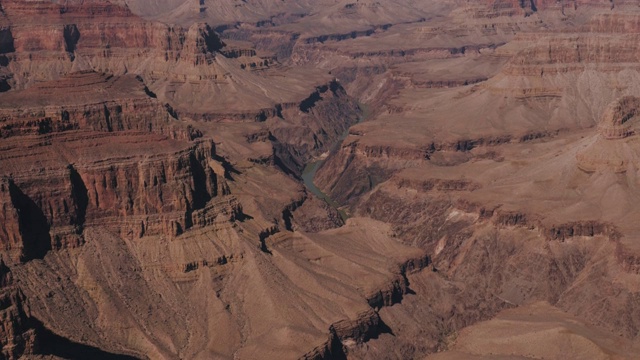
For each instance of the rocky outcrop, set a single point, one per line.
(166, 193)
(395, 290)
(64, 105)
(570, 53)
(618, 120)
(104, 37)
(608, 150)
(10, 218)
(26, 230)
(391, 294)
(367, 325)
(556, 232)
(162, 192)
(514, 218)
(22, 335)
(347, 333)
(565, 231)
(331, 349)
(17, 336)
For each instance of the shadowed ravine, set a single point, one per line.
(309, 172)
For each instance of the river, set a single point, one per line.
(309, 172)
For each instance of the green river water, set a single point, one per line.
(309, 172)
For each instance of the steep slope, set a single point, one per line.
(522, 184)
(131, 231)
(150, 196)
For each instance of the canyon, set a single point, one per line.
(319, 179)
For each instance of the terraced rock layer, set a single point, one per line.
(151, 207)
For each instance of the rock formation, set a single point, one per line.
(479, 163)
(618, 120)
